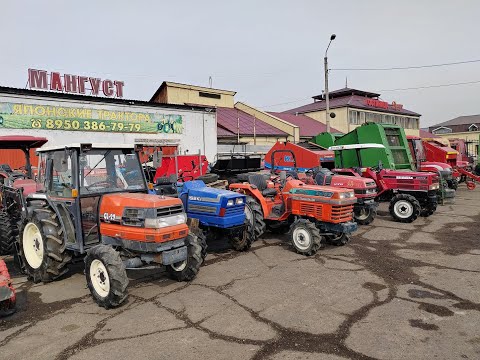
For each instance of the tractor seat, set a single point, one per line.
(324, 177)
(261, 183)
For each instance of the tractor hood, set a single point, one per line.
(352, 182)
(136, 200)
(198, 190)
(406, 173)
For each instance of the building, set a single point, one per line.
(354, 107)
(308, 127)
(237, 122)
(71, 118)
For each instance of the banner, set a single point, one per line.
(47, 117)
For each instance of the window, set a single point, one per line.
(62, 181)
(442, 130)
(473, 127)
(362, 117)
(353, 117)
(209, 95)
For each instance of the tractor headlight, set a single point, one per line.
(161, 222)
(347, 195)
(435, 186)
(230, 202)
(239, 201)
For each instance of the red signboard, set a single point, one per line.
(383, 104)
(74, 84)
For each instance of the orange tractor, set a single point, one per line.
(314, 214)
(92, 201)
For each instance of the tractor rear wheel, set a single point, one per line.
(41, 244)
(364, 215)
(254, 214)
(8, 233)
(106, 276)
(338, 239)
(305, 237)
(404, 208)
(452, 184)
(186, 270)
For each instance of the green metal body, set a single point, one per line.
(396, 154)
(325, 139)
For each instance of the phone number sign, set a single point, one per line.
(47, 117)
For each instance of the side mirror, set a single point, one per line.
(157, 159)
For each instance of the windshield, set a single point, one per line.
(419, 150)
(110, 170)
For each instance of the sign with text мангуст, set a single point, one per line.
(47, 117)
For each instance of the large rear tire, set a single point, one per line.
(452, 184)
(187, 270)
(404, 208)
(338, 239)
(364, 215)
(429, 210)
(254, 214)
(106, 276)
(305, 237)
(42, 248)
(8, 233)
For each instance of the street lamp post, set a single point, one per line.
(325, 63)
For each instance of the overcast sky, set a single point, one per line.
(270, 52)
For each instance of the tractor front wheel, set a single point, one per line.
(338, 239)
(404, 208)
(428, 210)
(42, 248)
(106, 276)
(305, 237)
(243, 241)
(186, 270)
(364, 215)
(8, 233)
(254, 214)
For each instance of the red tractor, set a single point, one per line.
(311, 212)
(7, 292)
(12, 181)
(409, 193)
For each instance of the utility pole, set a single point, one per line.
(327, 96)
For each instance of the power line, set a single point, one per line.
(434, 86)
(408, 67)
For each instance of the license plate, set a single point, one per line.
(174, 256)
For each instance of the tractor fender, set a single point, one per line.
(252, 191)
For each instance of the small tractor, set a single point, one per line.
(92, 201)
(311, 212)
(365, 190)
(11, 181)
(220, 213)
(409, 193)
(7, 292)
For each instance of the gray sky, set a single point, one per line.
(270, 52)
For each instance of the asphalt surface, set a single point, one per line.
(396, 291)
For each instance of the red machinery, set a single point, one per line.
(307, 156)
(7, 292)
(464, 158)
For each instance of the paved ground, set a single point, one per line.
(397, 291)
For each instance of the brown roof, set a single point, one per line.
(426, 134)
(345, 92)
(308, 126)
(461, 120)
(230, 118)
(351, 98)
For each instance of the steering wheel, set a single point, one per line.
(182, 178)
(101, 184)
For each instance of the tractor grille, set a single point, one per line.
(311, 210)
(234, 210)
(202, 208)
(170, 210)
(342, 213)
(133, 217)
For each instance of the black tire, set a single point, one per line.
(208, 178)
(202, 238)
(452, 184)
(408, 201)
(429, 210)
(259, 225)
(313, 238)
(245, 240)
(116, 293)
(364, 215)
(338, 240)
(193, 262)
(55, 257)
(163, 180)
(8, 233)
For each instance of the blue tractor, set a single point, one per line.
(220, 213)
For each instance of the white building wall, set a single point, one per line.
(199, 131)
